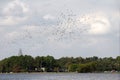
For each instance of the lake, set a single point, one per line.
(60, 76)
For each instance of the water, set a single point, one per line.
(60, 76)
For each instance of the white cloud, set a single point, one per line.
(116, 14)
(48, 17)
(1, 30)
(30, 28)
(98, 23)
(11, 36)
(10, 20)
(98, 28)
(14, 13)
(16, 8)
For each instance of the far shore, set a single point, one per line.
(56, 72)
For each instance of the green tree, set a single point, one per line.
(73, 67)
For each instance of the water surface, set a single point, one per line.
(60, 76)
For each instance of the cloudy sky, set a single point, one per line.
(60, 28)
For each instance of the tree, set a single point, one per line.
(73, 67)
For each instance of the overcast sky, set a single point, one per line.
(60, 28)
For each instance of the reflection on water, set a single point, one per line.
(60, 76)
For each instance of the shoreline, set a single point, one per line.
(60, 72)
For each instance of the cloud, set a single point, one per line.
(116, 14)
(12, 35)
(76, 26)
(1, 30)
(48, 17)
(62, 27)
(14, 13)
(98, 23)
(15, 8)
(11, 20)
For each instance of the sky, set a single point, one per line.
(60, 28)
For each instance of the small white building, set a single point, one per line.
(43, 69)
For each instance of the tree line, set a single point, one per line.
(27, 63)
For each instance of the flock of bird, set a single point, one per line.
(68, 28)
